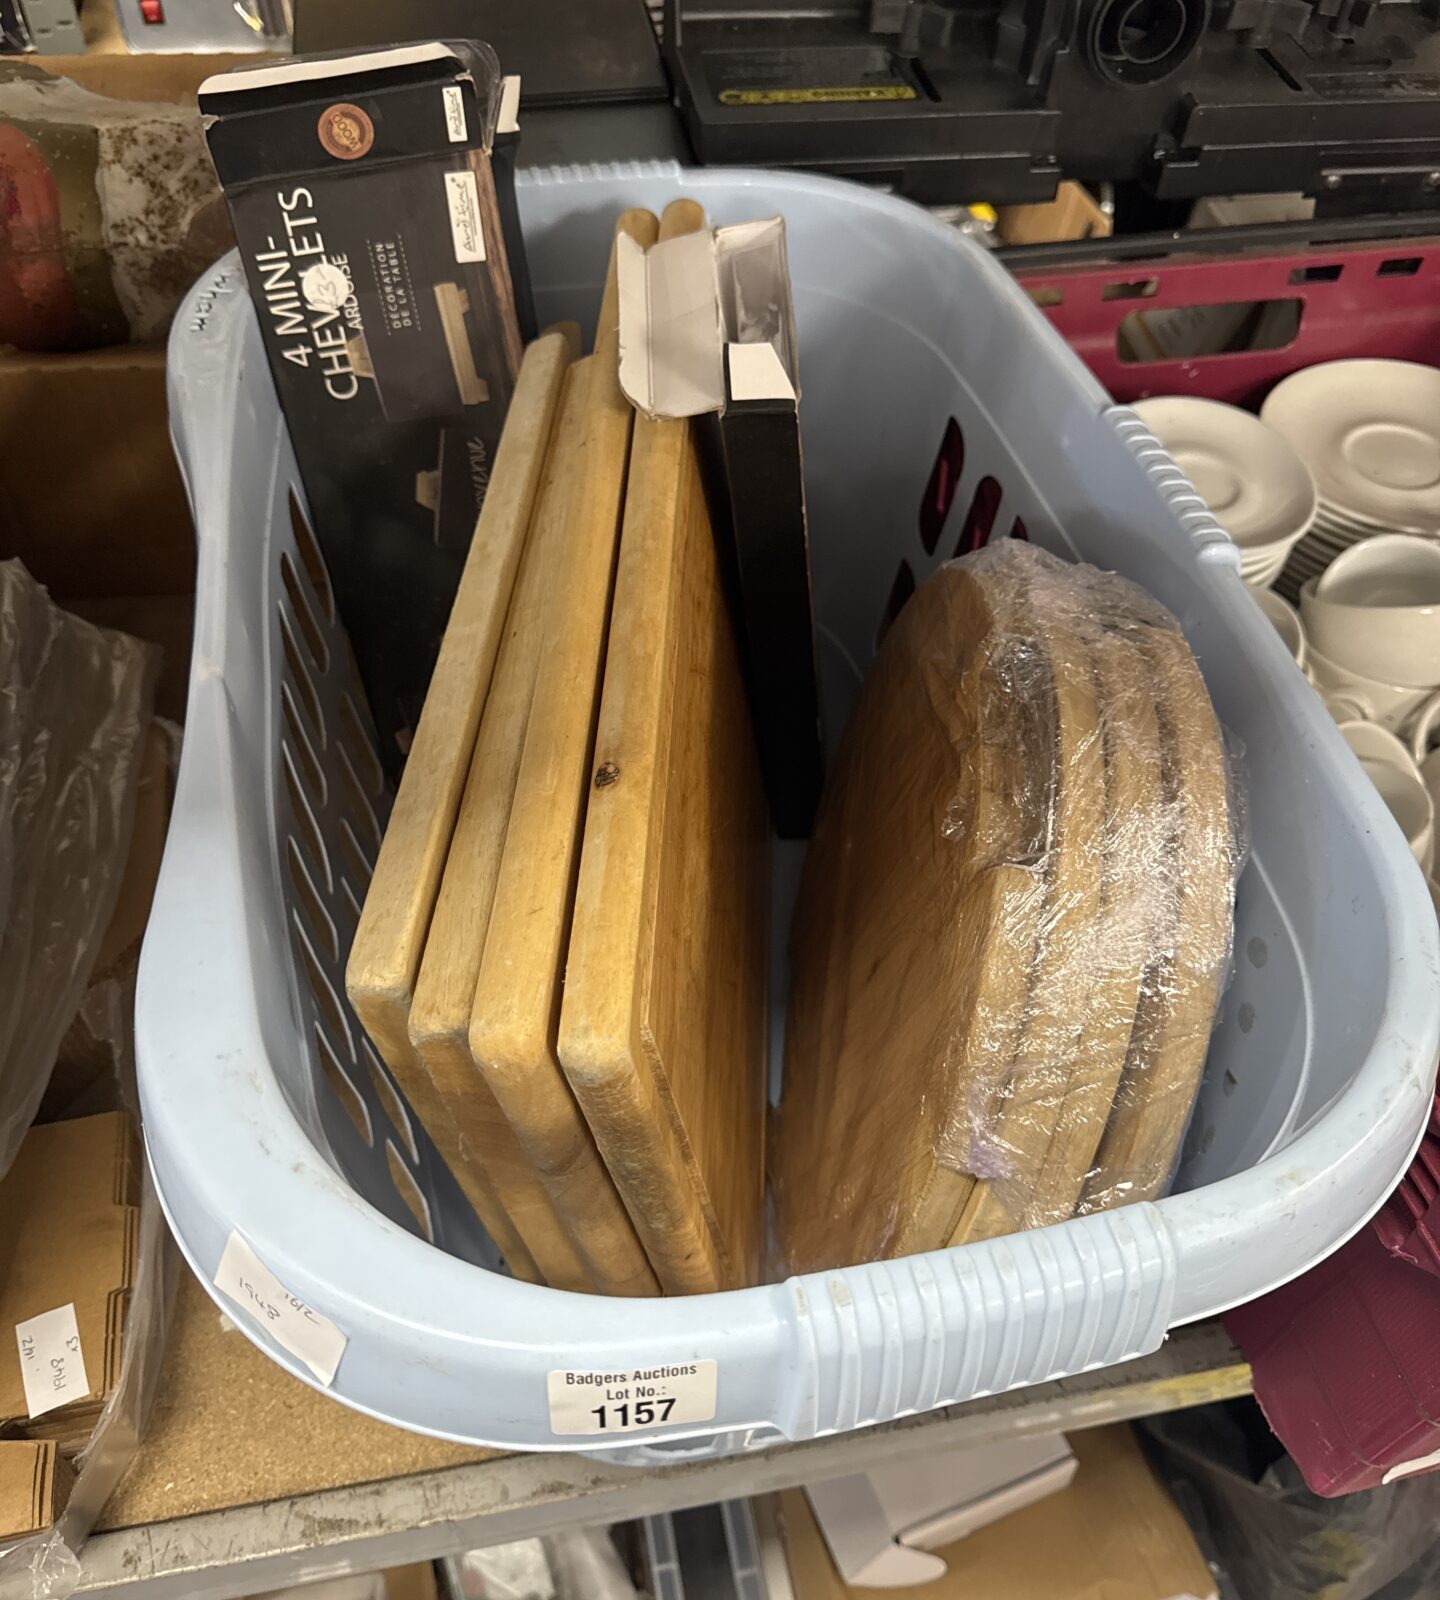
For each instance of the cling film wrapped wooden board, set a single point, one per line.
(1027, 844)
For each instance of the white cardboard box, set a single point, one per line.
(882, 1526)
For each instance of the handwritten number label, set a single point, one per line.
(52, 1365)
(294, 1326)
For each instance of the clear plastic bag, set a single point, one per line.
(1015, 919)
(74, 709)
(587, 1566)
(519, 1570)
(1272, 1536)
(578, 1564)
(123, 212)
(94, 1066)
(47, 1566)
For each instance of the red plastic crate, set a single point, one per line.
(1408, 1224)
(1356, 300)
(1346, 1359)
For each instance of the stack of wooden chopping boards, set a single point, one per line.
(562, 954)
(1014, 920)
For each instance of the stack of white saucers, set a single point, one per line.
(1261, 492)
(1369, 431)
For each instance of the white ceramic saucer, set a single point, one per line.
(1370, 433)
(1260, 491)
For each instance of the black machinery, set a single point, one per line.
(995, 100)
(974, 100)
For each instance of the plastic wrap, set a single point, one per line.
(94, 1066)
(114, 210)
(519, 1570)
(1018, 907)
(587, 1566)
(74, 709)
(1272, 1536)
(47, 1567)
(578, 1564)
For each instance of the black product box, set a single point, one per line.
(707, 330)
(364, 200)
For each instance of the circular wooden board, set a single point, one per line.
(1055, 1041)
(1182, 984)
(915, 931)
(1107, 964)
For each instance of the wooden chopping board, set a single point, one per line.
(1181, 988)
(389, 939)
(663, 1027)
(915, 932)
(1103, 883)
(516, 1005)
(445, 987)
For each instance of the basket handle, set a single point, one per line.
(896, 1337)
(1175, 489)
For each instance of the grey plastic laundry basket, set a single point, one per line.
(266, 1115)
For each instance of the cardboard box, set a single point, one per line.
(172, 79)
(106, 528)
(69, 1223)
(90, 498)
(35, 1483)
(707, 329)
(1074, 213)
(364, 199)
(1114, 1534)
(882, 1527)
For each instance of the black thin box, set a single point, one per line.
(366, 207)
(707, 330)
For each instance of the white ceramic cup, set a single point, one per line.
(1286, 621)
(1389, 767)
(1376, 609)
(1425, 729)
(1395, 644)
(1390, 569)
(1341, 707)
(1389, 704)
(1430, 776)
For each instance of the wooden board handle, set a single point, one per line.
(569, 332)
(682, 216)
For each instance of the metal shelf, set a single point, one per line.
(224, 1553)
